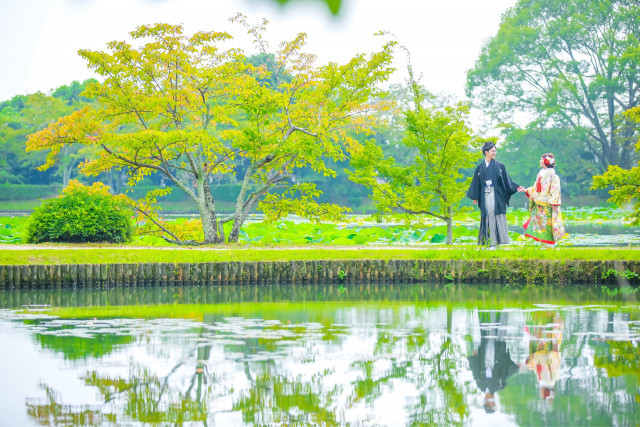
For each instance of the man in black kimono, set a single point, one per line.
(491, 188)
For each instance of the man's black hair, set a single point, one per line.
(487, 146)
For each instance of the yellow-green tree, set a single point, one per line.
(189, 107)
(626, 182)
(432, 183)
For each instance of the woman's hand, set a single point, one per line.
(475, 202)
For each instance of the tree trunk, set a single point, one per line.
(209, 226)
(449, 221)
(66, 175)
(240, 213)
(207, 210)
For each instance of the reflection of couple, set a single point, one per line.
(544, 355)
(491, 362)
(491, 189)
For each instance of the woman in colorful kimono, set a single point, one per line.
(545, 224)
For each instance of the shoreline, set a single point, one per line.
(503, 271)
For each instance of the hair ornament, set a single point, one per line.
(549, 161)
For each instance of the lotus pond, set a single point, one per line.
(264, 355)
(586, 227)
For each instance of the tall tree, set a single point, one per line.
(431, 184)
(191, 108)
(626, 182)
(570, 63)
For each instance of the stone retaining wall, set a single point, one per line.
(360, 271)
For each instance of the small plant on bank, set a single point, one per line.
(81, 214)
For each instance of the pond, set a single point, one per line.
(370, 354)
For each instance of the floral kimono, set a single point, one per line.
(545, 223)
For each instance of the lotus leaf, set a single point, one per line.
(438, 238)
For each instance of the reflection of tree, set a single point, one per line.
(54, 413)
(74, 348)
(444, 368)
(623, 359)
(276, 398)
(370, 386)
(432, 369)
(275, 371)
(149, 398)
(142, 396)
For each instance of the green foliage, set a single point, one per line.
(573, 64)
(626, 182)
(71, 94)
(194, 109)
(333, 5)
(522, 149)
(80, 215)
(330, 234)
(432, 183)
(12, 230)
(25, 114)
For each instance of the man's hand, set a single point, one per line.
(475, 202)
(521, 189)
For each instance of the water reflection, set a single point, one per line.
(544, 353)
(404, 356)
(491, 362)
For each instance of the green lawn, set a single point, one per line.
(103, 255)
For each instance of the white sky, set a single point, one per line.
(40, 38)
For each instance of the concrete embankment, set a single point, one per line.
(356, 271)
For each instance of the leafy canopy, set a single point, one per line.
(571, 64)
(626, 182)
(191, 108)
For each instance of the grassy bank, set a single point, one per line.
(101, 255)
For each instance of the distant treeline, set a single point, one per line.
(354, 196)
(25, 114)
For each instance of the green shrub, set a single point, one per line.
(81, 214)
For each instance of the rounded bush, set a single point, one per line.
(81, 214)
